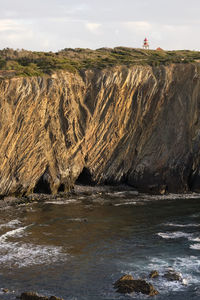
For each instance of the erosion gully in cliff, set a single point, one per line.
(138, 125)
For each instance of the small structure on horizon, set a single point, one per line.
(159, 49)
(146, 44)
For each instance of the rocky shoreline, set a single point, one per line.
(123, 191)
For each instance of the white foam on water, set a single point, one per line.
(10, 224)
(21, 254)
(181, 225)
(126, 203)
(174, 235)
(195, 246)
(187, 267)
(77, 219)
(61, 202)
(194, 239)
(197, 215)
(13, 233)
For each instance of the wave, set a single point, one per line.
(13, 233)
(197, 215)
(127, 203)
(174, 235)
(186, 266)
(181, 225)
(10, 224)
(25, 254)
(193, 239)
(60, 202)
(195, 246)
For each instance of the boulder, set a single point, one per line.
(32, 296)
(126, 285)
(172, 275)
(154, 274)
(36, 296)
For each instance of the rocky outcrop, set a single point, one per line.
(137, 125)
(127, 285)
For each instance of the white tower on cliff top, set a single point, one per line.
(146, 44)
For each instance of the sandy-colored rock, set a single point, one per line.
(154, 274)
(137, 125)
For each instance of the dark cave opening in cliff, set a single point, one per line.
(42, 186)
(61, 188)
(85, 178)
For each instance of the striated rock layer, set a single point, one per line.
(137, 125)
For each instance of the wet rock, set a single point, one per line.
(172, 275)
(126, 284)
(154, 274)
(123, 278)
(32, 296)
(36, 296)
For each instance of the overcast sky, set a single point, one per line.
(51, 25)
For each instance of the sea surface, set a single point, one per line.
(77, 247)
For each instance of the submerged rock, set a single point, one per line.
(36, 296)
(126, 284)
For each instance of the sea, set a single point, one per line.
(75, 247)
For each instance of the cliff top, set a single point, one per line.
(29, 63)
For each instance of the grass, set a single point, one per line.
(28, 63)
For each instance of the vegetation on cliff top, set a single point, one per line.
(28, 63)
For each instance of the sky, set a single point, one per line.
(52, 25)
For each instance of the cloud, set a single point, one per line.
(93, 27)
(9, 25)
(137, 25)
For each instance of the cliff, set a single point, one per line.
(138, 125)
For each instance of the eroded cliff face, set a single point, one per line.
(136, 125)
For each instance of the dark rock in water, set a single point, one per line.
(126, 284)
(35, 296)
(32, 296)
(122, 279)
(154, 274)
(172, 275)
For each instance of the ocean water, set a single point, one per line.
(76, 248)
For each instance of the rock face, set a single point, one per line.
(137, 125)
